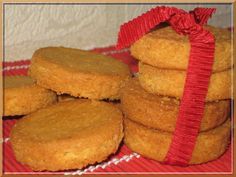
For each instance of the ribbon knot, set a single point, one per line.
(184, 23)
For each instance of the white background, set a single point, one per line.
(28, 27)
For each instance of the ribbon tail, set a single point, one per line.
(192, 104)
(202, 15)
(136, 28)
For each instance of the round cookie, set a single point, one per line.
(79, 73)
(68, 135)
(166, 49)
(161, 112)
(154, 144)
(22, 96)
(171, 82)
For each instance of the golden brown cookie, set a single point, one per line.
(79, 73)
(67, 135)
(171, 82)
(166, 49)
(161, 112)
(154, 144)
(22, 96)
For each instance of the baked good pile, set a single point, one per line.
(73, 118)
(151, 101)
(70, 120)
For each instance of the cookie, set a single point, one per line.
(79, 73)
(161, 112)
(67, 135)
(166, 49)
(171, 82)
(154, 143)
(22, 96)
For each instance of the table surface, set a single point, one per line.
(124, 161)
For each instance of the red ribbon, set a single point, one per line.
(198, 72)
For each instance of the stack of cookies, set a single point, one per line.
(74, 132)
(151, 101)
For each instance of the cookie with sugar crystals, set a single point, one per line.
(154, 143)
(22, 96)
(68, 135)
(79, 73)
(166, 49)
(161, 112)
(169, 82)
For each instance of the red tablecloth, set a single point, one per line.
(124, 161)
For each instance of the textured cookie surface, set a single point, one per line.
(164, 48)
(154, 144)
(22, 96)
(78, 73)
(68, 135)
(161, 112)
(171, 82)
